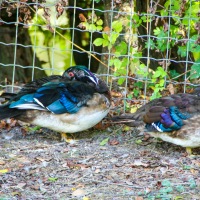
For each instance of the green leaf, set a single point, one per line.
(161, 82)
(99, 28)
(144, 18)
(98, 41)
(173, 73)
(109, 46)
(121, 81)
(139, 84)
(35, 128)
(113, 37)
(136, 92)
(150, 44)
(117, 63)
(130, 96)
(164, 12)
(117, 54)
(124, 63)
(105, 43)
(117, 26)
(136, 18)
(155, 95)
(104, 142)
(156, 74)
(99, 22)
(105, 36)
(160, 72)
(138, 141)
(178, 198)
(92, 28)
(111, 62)
(122, 48)
(186, 167)
(195, 70)
(157, 31)
(182, 51)
(193, 46)
(52, 179)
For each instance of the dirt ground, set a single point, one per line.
(112, 164)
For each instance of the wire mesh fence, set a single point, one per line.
(140, 46)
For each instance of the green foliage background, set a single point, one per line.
(52, 50)
(180, 28)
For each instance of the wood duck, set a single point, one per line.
(174, 119)
(70, 103)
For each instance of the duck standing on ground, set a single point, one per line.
(174, 119)
(70, 103)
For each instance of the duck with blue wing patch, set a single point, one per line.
(174, 119)
(74, 102)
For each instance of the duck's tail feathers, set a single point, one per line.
(6, 112)
(133, 120)
(8, 95)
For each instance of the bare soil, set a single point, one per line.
(112, 164)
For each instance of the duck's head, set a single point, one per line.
(81, 73)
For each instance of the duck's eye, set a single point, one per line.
(71, 74)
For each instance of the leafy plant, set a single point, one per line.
(180, 31)
(109, 39)
(91, 23)
(158, 78)
(183, 32)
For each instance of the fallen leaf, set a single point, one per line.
(16, 194)
(82, 17)
(133, 109)
(116, 94)
(106, 29)
(104, 142)
(86, 198)
(101, 125)
(21, 185)
(159, 184)
(2, 162)
(35, 187)
(129, 183)
(139, 163)
(43, 159)
(52, 179)
(113, 142)
(78, 193)
(3, 171)
(139, 198)
(170, 87)
(126, 128)
(82, 166)
(97, 171)
(2, 124)
(138, 141)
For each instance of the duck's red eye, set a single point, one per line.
(71, 74)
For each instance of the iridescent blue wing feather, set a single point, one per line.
(57, 98)
(164, 114)
(171, 113)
